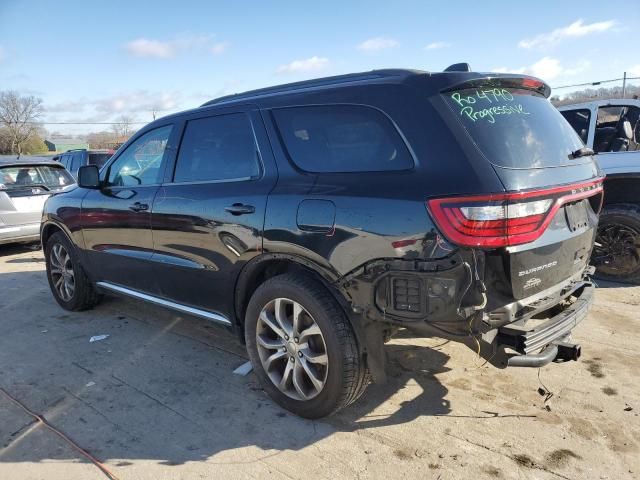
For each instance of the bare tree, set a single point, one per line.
(18, 115)
(123, 127)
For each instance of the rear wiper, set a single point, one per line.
(581, 152)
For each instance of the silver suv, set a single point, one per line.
(25, 184)
(612, 129)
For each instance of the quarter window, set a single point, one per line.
(342, 138)
(140, 163)
(217, 148)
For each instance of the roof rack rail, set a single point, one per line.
(318, 82)
(458, 67)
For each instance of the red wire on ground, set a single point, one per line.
(103, 468)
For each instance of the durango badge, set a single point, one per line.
(537, 269)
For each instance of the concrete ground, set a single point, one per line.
(158, 399)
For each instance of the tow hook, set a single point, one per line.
(556, 352)
(568, 352)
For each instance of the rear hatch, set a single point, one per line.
(542, 226)
(25, 188)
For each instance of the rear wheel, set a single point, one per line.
(303, 348)
(69, 284)
(617, 250)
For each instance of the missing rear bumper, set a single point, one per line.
(539, 343)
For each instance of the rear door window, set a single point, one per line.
(514, 128)
(342, 138)
(216, 149)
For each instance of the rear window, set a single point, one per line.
(342, 138)
(52, 178)
(514, 128)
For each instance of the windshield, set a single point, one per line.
(514, 128)
(50, 177)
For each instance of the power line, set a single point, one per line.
(599, 82)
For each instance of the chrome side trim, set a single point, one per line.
(214, 317)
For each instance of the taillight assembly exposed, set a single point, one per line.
(504, 219)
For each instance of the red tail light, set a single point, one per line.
(503, 219)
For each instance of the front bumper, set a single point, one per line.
(538, 342)
(19, 233)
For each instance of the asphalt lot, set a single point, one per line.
(157, 399)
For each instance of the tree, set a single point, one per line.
(18, 115)
(123, 128)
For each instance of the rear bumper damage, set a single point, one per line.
(445, 298)
(537, 342)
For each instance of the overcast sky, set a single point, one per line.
(95, 60)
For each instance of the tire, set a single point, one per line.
(617, 253)
(83, 295)
(345, 374)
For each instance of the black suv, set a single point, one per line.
(315, 219)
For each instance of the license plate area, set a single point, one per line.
(577, 216)
(540, 268)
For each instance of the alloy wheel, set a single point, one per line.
(292, 349)
(61, 270)
(617, 250)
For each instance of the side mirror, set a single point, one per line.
(89, 176)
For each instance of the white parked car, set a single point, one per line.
(612, 129)
(25, 184)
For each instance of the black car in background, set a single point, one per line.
(74, 159)
(315, 219)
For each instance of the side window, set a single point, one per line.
(65, 161)
(342, 138)
(98, 159)
(140, 163)
(76, 162)
(579, 120)
(217, 148)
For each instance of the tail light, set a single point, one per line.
(504, 219)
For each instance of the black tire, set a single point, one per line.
(84, 294)
(347, 376)
(617, 253)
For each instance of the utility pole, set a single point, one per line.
(624, 83)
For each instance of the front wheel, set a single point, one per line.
(616, 254)
(303, 348)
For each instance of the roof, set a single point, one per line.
(614, 102)
(396, 75)
(12, 160)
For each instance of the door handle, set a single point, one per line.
(240, 209)
(139, 207)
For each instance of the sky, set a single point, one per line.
(94, 61)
